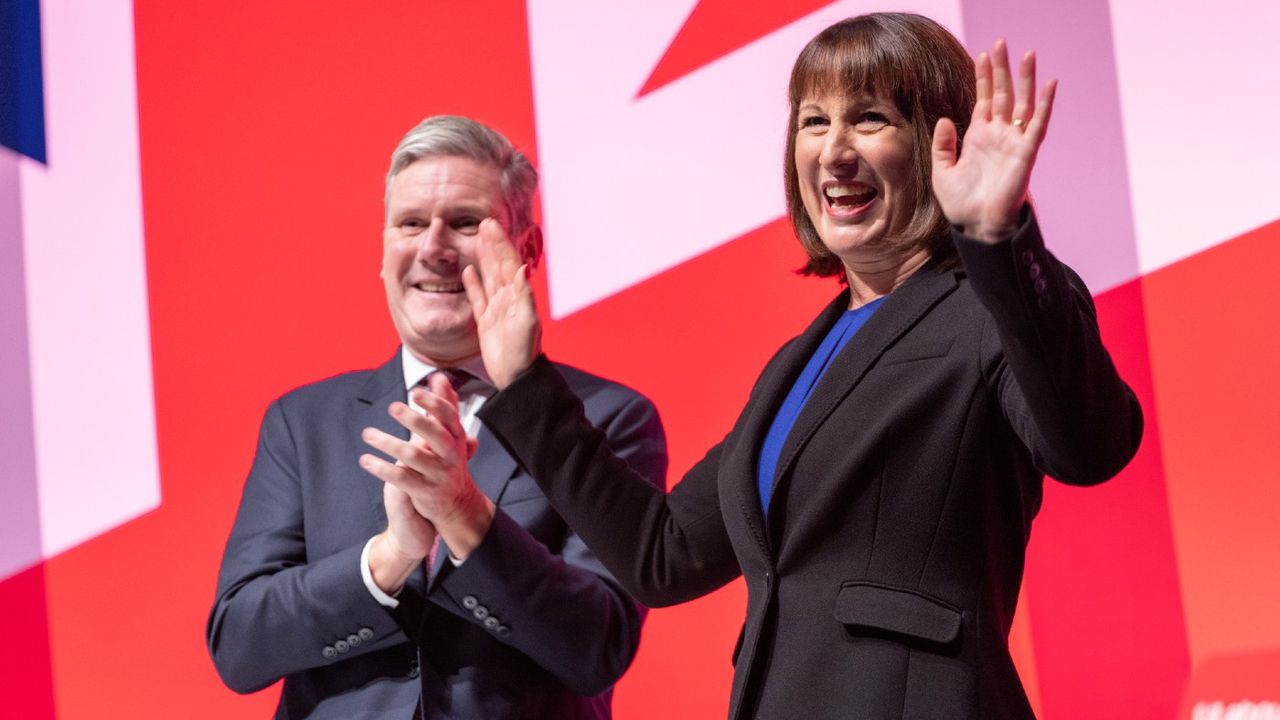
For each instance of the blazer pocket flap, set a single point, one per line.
(897, 610)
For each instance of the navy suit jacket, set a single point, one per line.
(530, 626)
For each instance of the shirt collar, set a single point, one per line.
(415, 369)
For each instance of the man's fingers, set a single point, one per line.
(412, 456)
(441, 403)
(404, 479)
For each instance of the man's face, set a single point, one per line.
(434, 209)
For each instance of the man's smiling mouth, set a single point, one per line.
(438, 287)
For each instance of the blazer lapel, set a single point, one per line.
(491, 469)
(384, 387)
(772, 388)
(900, 311)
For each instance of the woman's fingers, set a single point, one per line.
(475, 291)
(944, 145)
(492, 238)
(1001, 82)
(1039, 123)
(982, 71)
(1026, 100)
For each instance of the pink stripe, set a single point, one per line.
(86, 281)
(1106, 611)
(19, 502)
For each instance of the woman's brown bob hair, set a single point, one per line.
(908, 59)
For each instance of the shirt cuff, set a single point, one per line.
(366, 574)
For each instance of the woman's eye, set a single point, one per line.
(872, 120)
(812, 121)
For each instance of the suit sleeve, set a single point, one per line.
(278, 612)
(663, 548)
(562, 609)
(1044, 357)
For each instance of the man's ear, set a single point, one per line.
(530, 246)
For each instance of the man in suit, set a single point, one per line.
(377, 587)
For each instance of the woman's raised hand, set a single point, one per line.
(983, 189)
(502, 302)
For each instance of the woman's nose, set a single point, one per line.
(838, 150)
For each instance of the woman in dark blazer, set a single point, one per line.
(878, 489)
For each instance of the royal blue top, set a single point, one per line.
(839, 335)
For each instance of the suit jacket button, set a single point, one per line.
(328, 652)
(365, 633)
(413, 670)
(1028, 257)
(491, 623)
(354, 640)
(469, 602)
(1041, 284)
(341, 646)
(1034, 271)
(481, 612)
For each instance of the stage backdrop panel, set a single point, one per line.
(190, 225)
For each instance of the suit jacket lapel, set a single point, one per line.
(491, 469)
(772, 388)
(900, 311)
(384, 386)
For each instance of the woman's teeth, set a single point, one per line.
(849, 196)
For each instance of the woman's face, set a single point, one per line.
(854, 160)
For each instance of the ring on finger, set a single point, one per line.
(1019, 122)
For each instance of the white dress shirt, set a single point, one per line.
(470, 398)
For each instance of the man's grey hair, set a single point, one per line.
(457, 136)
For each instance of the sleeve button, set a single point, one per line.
(491, 623)
(470, 602)
(481, 612)
(328, 652)
(365, 633)
(354, 640)
(503, 631)
(341, 646)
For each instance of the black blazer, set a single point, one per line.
(884, 580)
(530, 626)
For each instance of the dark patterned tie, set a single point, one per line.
(457, 377)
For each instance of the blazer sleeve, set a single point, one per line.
(1043, 355)
(561, 608)
(276, 611)
(663, 548)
